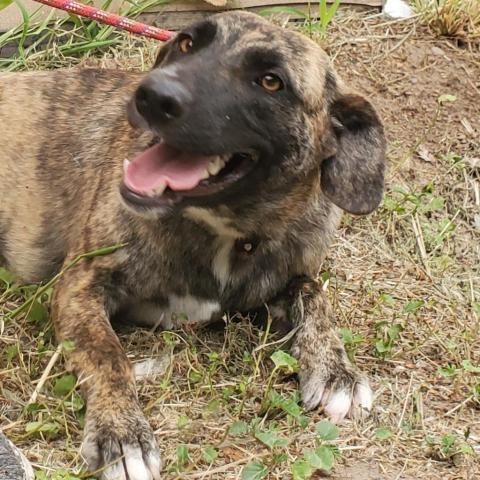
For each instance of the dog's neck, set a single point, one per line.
(248, 222)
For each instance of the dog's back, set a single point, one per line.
(39, 195)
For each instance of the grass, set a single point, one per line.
(451, 18)
(53, 44)
(315, 21)
(404, 283)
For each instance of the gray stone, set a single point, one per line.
(13, 464)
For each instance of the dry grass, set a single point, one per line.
(405, 283)
(451, 18)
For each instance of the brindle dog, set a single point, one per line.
(242, 147)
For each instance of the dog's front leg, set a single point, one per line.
(327, 377)
(118, 440)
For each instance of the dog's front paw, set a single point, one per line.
(119, 445)
(328, 379)
(342, 391)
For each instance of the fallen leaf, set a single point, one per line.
(447, 98)
(217, 3)
(424, 154)
(232, 454)
(474, 162)
(468, 126)
(476, 222)
(152, 367)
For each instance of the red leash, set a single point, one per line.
(109, 18)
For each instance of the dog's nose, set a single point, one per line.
(161, 101)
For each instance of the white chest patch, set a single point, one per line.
(180, 310)
(188, 309)
(226, 236)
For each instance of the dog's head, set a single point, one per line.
(239, 106)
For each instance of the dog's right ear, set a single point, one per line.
(353, 176)
(164, 49)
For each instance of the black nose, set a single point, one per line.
(160, 101)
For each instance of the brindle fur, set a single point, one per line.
(64, 139)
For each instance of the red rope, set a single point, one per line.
(109, 18)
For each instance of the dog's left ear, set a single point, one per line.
(353, 177)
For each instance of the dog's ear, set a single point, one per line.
(353, 176)
(162, 53)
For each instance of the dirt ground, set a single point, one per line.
(405, 283)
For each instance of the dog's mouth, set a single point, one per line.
(164, 174)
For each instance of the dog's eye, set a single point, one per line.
(185, 44)
(270, 82)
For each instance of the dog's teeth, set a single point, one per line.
(215, 165)
(158, 190)
(126, 163)
(205, 175)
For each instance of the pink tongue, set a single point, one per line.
(165, 165)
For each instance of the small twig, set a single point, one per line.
(395, 47)
(399, 476)
(45, 374)
(284, 339)
(399, 20)
(457, 407)
(444, 229)
(476, 189)
(405, 403)
(41, 290)
(400, 43)
(10, 425)
(224, 468)
(421, 244)
(351, 448)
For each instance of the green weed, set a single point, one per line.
(314, 24)
(51, 41)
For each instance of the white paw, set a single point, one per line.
(132, 464)
(338, 405)
(339, 399)
(111, 458)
